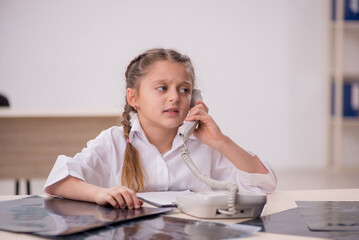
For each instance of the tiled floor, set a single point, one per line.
(287, 180)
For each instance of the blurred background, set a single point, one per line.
(266, 68)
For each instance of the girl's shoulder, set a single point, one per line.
(112, 134)
(113, 130)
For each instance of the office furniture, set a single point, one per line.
(31, 140)
(278, 201)
(344, 68)
(4, 102)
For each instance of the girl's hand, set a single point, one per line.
(118, 197)
(208, 131)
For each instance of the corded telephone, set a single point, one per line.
(215, 204)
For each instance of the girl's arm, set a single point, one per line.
(74, 188)
(209, 133)
(239, 157)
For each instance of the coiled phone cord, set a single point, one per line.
(232, 188)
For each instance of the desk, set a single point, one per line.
(31, 140)
(278, 201)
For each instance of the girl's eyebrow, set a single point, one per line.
(158, 81)
(161, 81)
(189, 82)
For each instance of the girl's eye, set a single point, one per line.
(185, 90)
(162, 88)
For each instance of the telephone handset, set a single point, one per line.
(187, 128)
(217, 204)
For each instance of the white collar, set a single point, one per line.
(137, 128)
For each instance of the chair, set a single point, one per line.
(4, 102)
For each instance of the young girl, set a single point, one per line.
(145, 153)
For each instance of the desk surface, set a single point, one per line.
(277, 202)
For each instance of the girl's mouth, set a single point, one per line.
(172, 110)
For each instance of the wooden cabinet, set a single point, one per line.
(31, 142)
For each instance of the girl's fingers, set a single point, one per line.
(127, 197)
(119, 197)
(202, 118)
(120, 200)
(135, 200)
(195, 112)
(199, 108)
(203, 104)
(128, 200)
(112, 201)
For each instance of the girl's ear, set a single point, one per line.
(131, 96)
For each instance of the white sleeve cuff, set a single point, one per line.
(60, 171)
(267, 182)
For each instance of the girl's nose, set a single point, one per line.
(173, 96)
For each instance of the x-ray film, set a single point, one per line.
(56, 217)
(330, 215)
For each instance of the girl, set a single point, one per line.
(145, 153)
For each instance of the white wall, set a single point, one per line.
(262, 64)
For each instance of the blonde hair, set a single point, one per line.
(132, 172)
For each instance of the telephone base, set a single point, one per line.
(206, 204)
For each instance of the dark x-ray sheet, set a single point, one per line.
(330, 215)
(291, 222)
(56, 217)
(165, 228)
(73, 220)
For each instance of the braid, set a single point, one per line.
(132, 174)
(126, 120)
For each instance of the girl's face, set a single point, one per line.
(164, 96)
